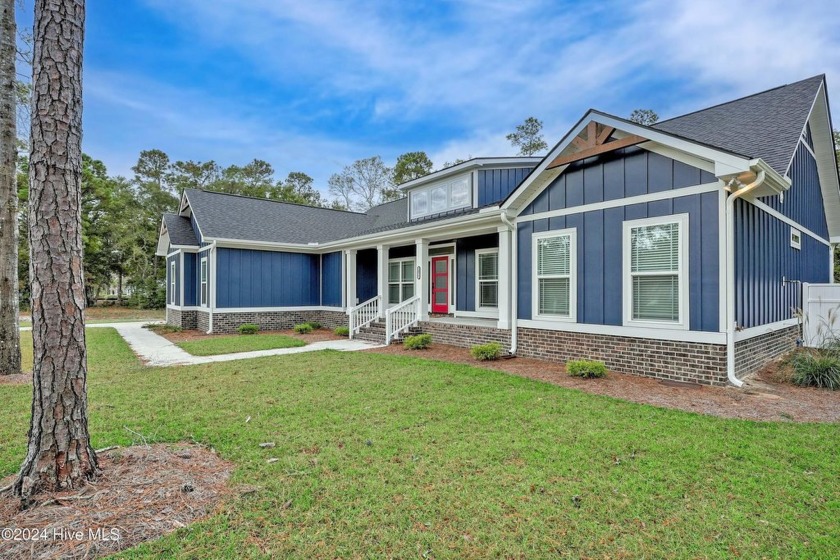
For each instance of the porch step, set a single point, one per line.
(375, 332)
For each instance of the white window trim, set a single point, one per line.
(573, 273)
(478, 306)
(203, 287)
(402, 281)
(793, 243)
(172, 282)
(682, 273)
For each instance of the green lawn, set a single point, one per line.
(213, 345)
(386, 456)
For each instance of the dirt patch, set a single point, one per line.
(314, 336)
(16, 379)
(143, 493)
(762, 397)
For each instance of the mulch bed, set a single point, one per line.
(314, 336)
(143, 493)
(761, 398)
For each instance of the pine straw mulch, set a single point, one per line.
(315, 336)
(143, 493)
(16, 379)
(763, 396)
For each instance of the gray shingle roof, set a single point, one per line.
(765, 125)
(180, 230)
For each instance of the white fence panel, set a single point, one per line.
(821, 309)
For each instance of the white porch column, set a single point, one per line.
(382, 278)
(350, 277)
(421, 277)
(505, 287)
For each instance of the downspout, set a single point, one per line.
(730, 275)
(513, 282)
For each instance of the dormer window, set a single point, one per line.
(442, 197)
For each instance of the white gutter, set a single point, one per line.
(513, 282)
(730, 275)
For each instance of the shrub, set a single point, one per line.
(486, 352)
(587, 369)
(314, 324)
(417, 342)
(303, 328)
(249, 328)
(342, 331)
(816, 369)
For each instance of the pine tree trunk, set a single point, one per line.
(9, 331)
(60, 455)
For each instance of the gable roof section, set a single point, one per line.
(180, 230)
(764, 125)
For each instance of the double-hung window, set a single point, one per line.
(203, 278)
(555, 275)
(487, 278)
(656, 272)
(172, 282)
(400, 280)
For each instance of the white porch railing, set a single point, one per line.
(401, 317)
(363, 314)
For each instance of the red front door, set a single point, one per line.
(440, 284)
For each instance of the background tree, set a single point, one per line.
(363, 184)
(59, 454)
(299, 189)
(644, 117)
(193, 175)
(528, 137)
(252, 179)
(9, 329)
(410, 166)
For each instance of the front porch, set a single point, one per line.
(435, 282)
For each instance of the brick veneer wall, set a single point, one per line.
(679, 361)
(277, 320)
(202, 321)
(185, 319)
(754, 353)
(465, 336)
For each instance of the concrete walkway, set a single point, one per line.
(156, 350)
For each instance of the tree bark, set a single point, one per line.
(60, 455)
(9, 304)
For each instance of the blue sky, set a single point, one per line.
(313, 85)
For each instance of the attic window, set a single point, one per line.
(795, 238)
(441, 198)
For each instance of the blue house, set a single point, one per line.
(675, 250)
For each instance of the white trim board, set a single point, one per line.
(619, 202)
(781, 217)
(702, 337)
(222, 310)
(753, 332)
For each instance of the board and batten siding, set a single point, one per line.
(331, 279)
(465, 268)
(253, 278)
(803, 201)
(366, 287)
(190, 279)
(614, 176)
(494, 185)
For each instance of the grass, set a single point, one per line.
(214, 345)
(390, 456)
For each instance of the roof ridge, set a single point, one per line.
(278, 201)
(742, 98)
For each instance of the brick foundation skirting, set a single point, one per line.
(202, 321)
(465, 336)
(678, 361)
(277, 320)
(754, 353)
(185, 319)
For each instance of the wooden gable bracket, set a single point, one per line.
(596, 142)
